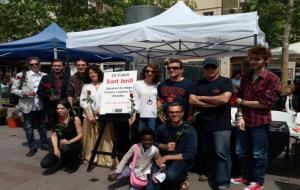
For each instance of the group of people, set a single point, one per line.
(175, 119)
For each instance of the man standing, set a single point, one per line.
(260, 89)
(211, 99)
(175, 89)
(75, 84)
(30, 104)
(177, 142)
(53, 87)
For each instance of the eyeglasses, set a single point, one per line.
(210, 66)
(34, 64)
(149, 71)
(174, 112)
(174, 68)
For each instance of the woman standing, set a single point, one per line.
(145, 95)
(65, 137)
(90, 126)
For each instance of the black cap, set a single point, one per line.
(210, 61)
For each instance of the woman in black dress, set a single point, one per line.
(65, 137)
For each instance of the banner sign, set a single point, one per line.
(115, 98)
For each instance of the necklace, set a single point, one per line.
(148, 87)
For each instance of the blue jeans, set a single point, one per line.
(39, 117)
(252, 149)
(146, 122)
(176, 173)
(215, 147)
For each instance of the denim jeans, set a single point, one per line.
(176, 173)
(252, 149)
(147, 122)
(216, 152)
(39, 117)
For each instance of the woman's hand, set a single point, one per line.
(64, 141)
(241, 124)
(162, 117)
(57, 152)
(132, 119)
(91, 118)
(162, 160)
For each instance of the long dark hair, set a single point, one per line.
(68, 106)
(157, 73)
(95, 68)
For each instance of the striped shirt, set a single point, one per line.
(265, 89)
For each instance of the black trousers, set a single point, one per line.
(70, 156)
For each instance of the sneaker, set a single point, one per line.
(203, 178)
(254, 186)
(185, 185)
(31, 152)
(223, 188)
(238, 180)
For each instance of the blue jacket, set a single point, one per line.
(186, 143)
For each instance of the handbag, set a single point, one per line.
(134, 180)
(14, 99)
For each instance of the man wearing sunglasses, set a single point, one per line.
(211, 99)
(175, 89)
(30, 104)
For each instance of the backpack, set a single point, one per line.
(14, 99)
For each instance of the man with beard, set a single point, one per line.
(75, 84)
(52, 88)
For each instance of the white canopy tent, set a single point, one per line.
(176, 32)
(294, 49)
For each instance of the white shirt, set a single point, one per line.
(35, 79)
(93, 105)
(145, 96)
(144, 160)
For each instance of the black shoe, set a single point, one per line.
(31, 152)
(45, 147)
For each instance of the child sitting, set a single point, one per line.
(146, 153)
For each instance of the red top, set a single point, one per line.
(266, 90)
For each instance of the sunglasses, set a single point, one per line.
(34, 64)
(210, 67)
(149, 71)
(173, 68)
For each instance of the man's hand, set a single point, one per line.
(31, 94)
(171, 146)
(238, 101)
(162, 117)
(241, 124)
(54, 98)
(113, 177)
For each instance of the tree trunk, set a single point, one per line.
(285, 44)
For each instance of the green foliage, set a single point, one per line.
(272, 16)
(23, 18)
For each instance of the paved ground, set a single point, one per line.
(18, 172)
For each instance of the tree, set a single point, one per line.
(285, 43)
(272, 17)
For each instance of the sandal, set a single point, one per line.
(185, 185)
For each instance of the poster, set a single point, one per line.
(115, 98)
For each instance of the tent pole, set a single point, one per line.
(55, 53)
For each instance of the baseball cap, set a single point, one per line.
(210, 61)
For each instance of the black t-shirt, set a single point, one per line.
(217, 118)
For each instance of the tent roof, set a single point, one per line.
(294, 49)
(43, 44)
(176, 32)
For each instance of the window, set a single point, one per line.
(208, 13)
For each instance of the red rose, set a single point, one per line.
(61, 119)
(47, 85)
(161, 101)
(170, 99)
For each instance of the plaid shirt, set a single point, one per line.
(265, 89)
